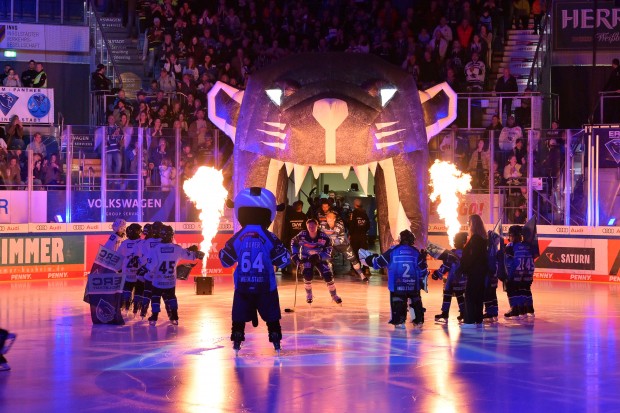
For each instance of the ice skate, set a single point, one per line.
(460, 318)
(8, 343)
(153, 319)
(418, 324)
(442, 318)
(337, 299)
(363, 277)
(513, 314)
(400, 326)
(529, 311)
(174, 322)
(277, 347)
(489, 319)
(5, 367)
(309, 298)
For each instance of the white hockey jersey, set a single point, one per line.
(162, 263)
(114, 242)
(147, 246)
(130, 250)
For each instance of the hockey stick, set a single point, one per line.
(292, 310)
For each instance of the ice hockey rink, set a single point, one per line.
(334, 359)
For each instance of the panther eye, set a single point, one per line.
(387, 93)
(380, 89)
(275, 95)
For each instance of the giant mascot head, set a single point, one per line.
(332, 112)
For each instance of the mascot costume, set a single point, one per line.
(256, 251)
(332, 112)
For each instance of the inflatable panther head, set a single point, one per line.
(331, 112)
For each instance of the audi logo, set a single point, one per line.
(41, 227)
(561, 229)
(608, 231)
(189, 226)
(78, 227)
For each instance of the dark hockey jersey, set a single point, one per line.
(407, 268)
(519, 262)
(255, 250)
(336, 234)
(303, 245)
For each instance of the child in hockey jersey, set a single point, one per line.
(117, 236)
(131, 262)
(519, 275)
(148, 246)
(162, 264)
(455, 283)
(407, 273)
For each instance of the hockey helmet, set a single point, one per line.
(516, 231)
(148, 230)
(156, 229)
(119, 226)
(166, 234)
(406, 237)
(134, 231)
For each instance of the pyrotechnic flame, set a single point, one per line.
(206, 190)
(447, 182)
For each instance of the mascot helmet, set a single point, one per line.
(255, 206)
(134, 231)
(119, 226)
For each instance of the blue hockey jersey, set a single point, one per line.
(407, 268)
(519, 262)
(255, 251)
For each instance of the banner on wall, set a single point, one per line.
(18, 36)
(32, 105)
(575, 22)
(609, 140)
(86, 206)
(470, 204)
(14, 207)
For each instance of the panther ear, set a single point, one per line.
(224, 102)
(439, 106)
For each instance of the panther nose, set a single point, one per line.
(330, 113)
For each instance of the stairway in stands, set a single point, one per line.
(126, 55)
(518, 55)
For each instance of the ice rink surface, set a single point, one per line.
(334, 359)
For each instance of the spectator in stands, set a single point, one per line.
(4, 74)
(29, 74)
(439, 46)
(475, 72)
(166, 174)
(11, 173)
(173, 67)
(509, 135)
(167, 82)
(520, 152)
(464, 33)
(507, 83)
(52, 172)
(479, 46)
(152, 47)
(12, 79)
(429, 71)
(15, 132)
(479, 165)
(487, 38)
(512, 171)
(40, 80)
(99, 79)
(522, 13)
(121, 110)
(197, 124)
(157, 154)
(37, 171)
(191, 69)
(37, 146)
(495, 128)
(113, 143)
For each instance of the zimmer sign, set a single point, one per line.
(577, 23)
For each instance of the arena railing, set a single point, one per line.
(550, 187)
(609, 107)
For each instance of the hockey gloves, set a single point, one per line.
(142, 271)
(436, 275)
(199, 255)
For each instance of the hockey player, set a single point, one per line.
(118, 236)
(147, 246)
(138, 295)
(519, 274)
(407, 273)
(359, 224)
(131, 262)
(325, 206)
(496, 269)
(312, 248)
(334, 228)
(256, 251)
(162, 265)
(6, 341)
(455, 283)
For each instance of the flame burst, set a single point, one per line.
(447, 182)
(206, 190)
